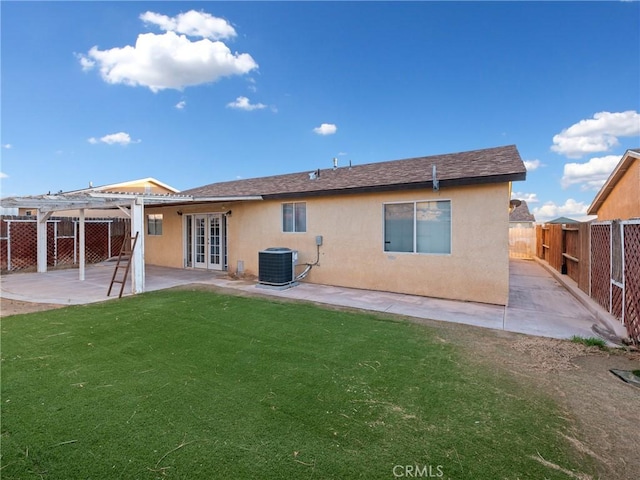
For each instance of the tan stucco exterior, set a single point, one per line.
(352, 254)
(623, 202)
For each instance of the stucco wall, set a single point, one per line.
(624, 200)
(352, 253)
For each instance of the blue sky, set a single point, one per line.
(193, 93)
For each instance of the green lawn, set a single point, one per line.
(198, 385)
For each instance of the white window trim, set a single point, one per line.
(415, 230)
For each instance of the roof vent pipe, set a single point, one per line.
(335, 163)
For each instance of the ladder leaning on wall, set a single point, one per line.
(124, 261)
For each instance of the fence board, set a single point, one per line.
(555, 247)
(571, 252)
(584, 254)
(539, 241)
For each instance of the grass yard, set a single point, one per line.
(198, 385)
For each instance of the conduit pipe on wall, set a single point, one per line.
(309, 266)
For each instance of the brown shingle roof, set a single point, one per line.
(491, 165)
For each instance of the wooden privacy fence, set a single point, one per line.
(522, 242)
(603, 258)
(18, 241)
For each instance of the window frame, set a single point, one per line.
(294, 216)
(415, 203)
(154, 224)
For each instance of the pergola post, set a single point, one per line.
(137, 256)
(82, 246)
(41, 240)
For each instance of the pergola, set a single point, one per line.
(132, 204)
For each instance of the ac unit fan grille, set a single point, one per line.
(275, 266)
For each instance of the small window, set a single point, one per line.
(154, 224)
(294, 217)
(418, 227)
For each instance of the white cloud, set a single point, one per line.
(597, 134)
(8, 146)
(3, 175)
(527, 197)
(326, 129)
(590, 175)
(171, 59)
(86, 63)
(120, 138)
(181, 104)
(571, 209)
(532, 165)
(243, 103)
(192, 23)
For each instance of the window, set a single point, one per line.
(418, 227)
(294, 217)
(154, 224)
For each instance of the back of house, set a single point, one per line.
(434, 226)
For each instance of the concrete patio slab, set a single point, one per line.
(538, 304)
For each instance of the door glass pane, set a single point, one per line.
(214, 240)
(200, 240)
(433, 227)
(398, 227)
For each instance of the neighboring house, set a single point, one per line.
(433, 226)
(520, 217)
(619, 197)
(522, 234)
(143, 186)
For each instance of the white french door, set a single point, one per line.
(205, 239)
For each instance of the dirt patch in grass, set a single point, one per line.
(17, 307)
(603, 409)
